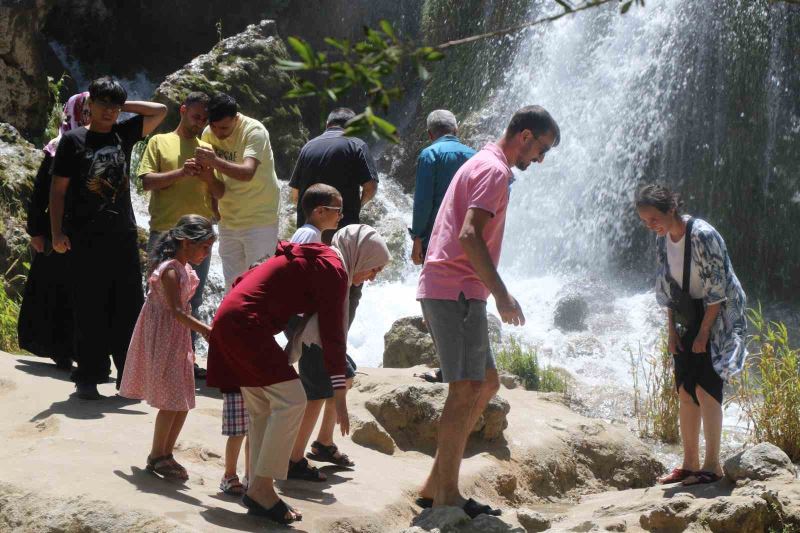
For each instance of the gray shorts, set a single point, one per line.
(460, 332)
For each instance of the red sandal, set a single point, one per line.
(677, 475)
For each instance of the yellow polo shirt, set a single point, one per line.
(187, 196)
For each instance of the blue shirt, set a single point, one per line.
(436, 166)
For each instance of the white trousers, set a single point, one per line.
(275, 415)
(240, 248)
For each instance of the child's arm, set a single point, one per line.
(172, 285)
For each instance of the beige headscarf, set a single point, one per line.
(361, 248)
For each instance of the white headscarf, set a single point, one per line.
(361, 249)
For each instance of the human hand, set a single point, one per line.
(191, 167)
(37, 243)
(674, 342)
(205, 156)
(509, 309)
(61, 243)
(700, 344)
(416, 252)
(342, 416)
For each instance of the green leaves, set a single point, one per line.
(370, 65)
(626, 5)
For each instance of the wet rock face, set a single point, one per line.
(410, 414)
(579, 299)
(24, 99)
(408, 343)
(19, 162)
(244, 66)
(761, 462)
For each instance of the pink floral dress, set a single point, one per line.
(160, 364)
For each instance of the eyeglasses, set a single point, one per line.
(109, 106)
(333, 208)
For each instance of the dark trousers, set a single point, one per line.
(107, 295)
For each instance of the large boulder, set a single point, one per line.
(761, 462)
(408, 343)
(410, 412)
(24, 54)
(246, 67)
(579, 299)
(19, 162)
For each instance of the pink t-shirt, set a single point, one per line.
(482, 182)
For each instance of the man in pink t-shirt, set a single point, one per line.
(459, 273)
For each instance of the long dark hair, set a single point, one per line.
(193, 228)
(660, 197)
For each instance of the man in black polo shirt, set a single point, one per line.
(342, 162)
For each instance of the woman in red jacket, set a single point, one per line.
(302, 279)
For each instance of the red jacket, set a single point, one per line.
(299, 279)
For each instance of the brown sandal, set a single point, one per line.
(165, 467)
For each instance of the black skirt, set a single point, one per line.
(45, 326)
(696, 369)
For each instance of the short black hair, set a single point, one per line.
(108, 90)
(340, 117)
(536, 119)
(221, 106)
(196, 97)
(317, 195)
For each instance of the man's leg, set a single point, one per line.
(231, 252)
(452, 439)
(259, 243)
(313, 408)
(91, 288)
(128, 299)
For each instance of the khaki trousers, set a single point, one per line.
(275, 415)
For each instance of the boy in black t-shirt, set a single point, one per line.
(91, 215)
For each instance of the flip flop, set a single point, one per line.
(703, 477)
(276, 513)
(677, 474)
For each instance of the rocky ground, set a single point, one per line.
(72, 465)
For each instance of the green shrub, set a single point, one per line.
(768, 389)
(9, 314)
(521, 359)
(655, 400)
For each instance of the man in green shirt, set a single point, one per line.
(242, 158)
(178, 185)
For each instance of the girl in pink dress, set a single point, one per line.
(160, 363)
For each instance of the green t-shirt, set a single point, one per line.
(254, 203)
(189, 195)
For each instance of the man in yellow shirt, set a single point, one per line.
(242, 157)
(178, 185)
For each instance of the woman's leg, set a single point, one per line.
(325, 435)
(690, 430)
(711, 413)
(161, 433)
(275, 412)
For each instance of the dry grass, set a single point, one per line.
(656, 403)
(768, 389)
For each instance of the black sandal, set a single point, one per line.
(327, 454)
(473, 509)
(303, 471)
(276, 513)
(424, 503)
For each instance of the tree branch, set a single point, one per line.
(514, 29)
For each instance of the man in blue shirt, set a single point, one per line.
(436, 166)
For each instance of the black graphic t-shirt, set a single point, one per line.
(97, 165)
